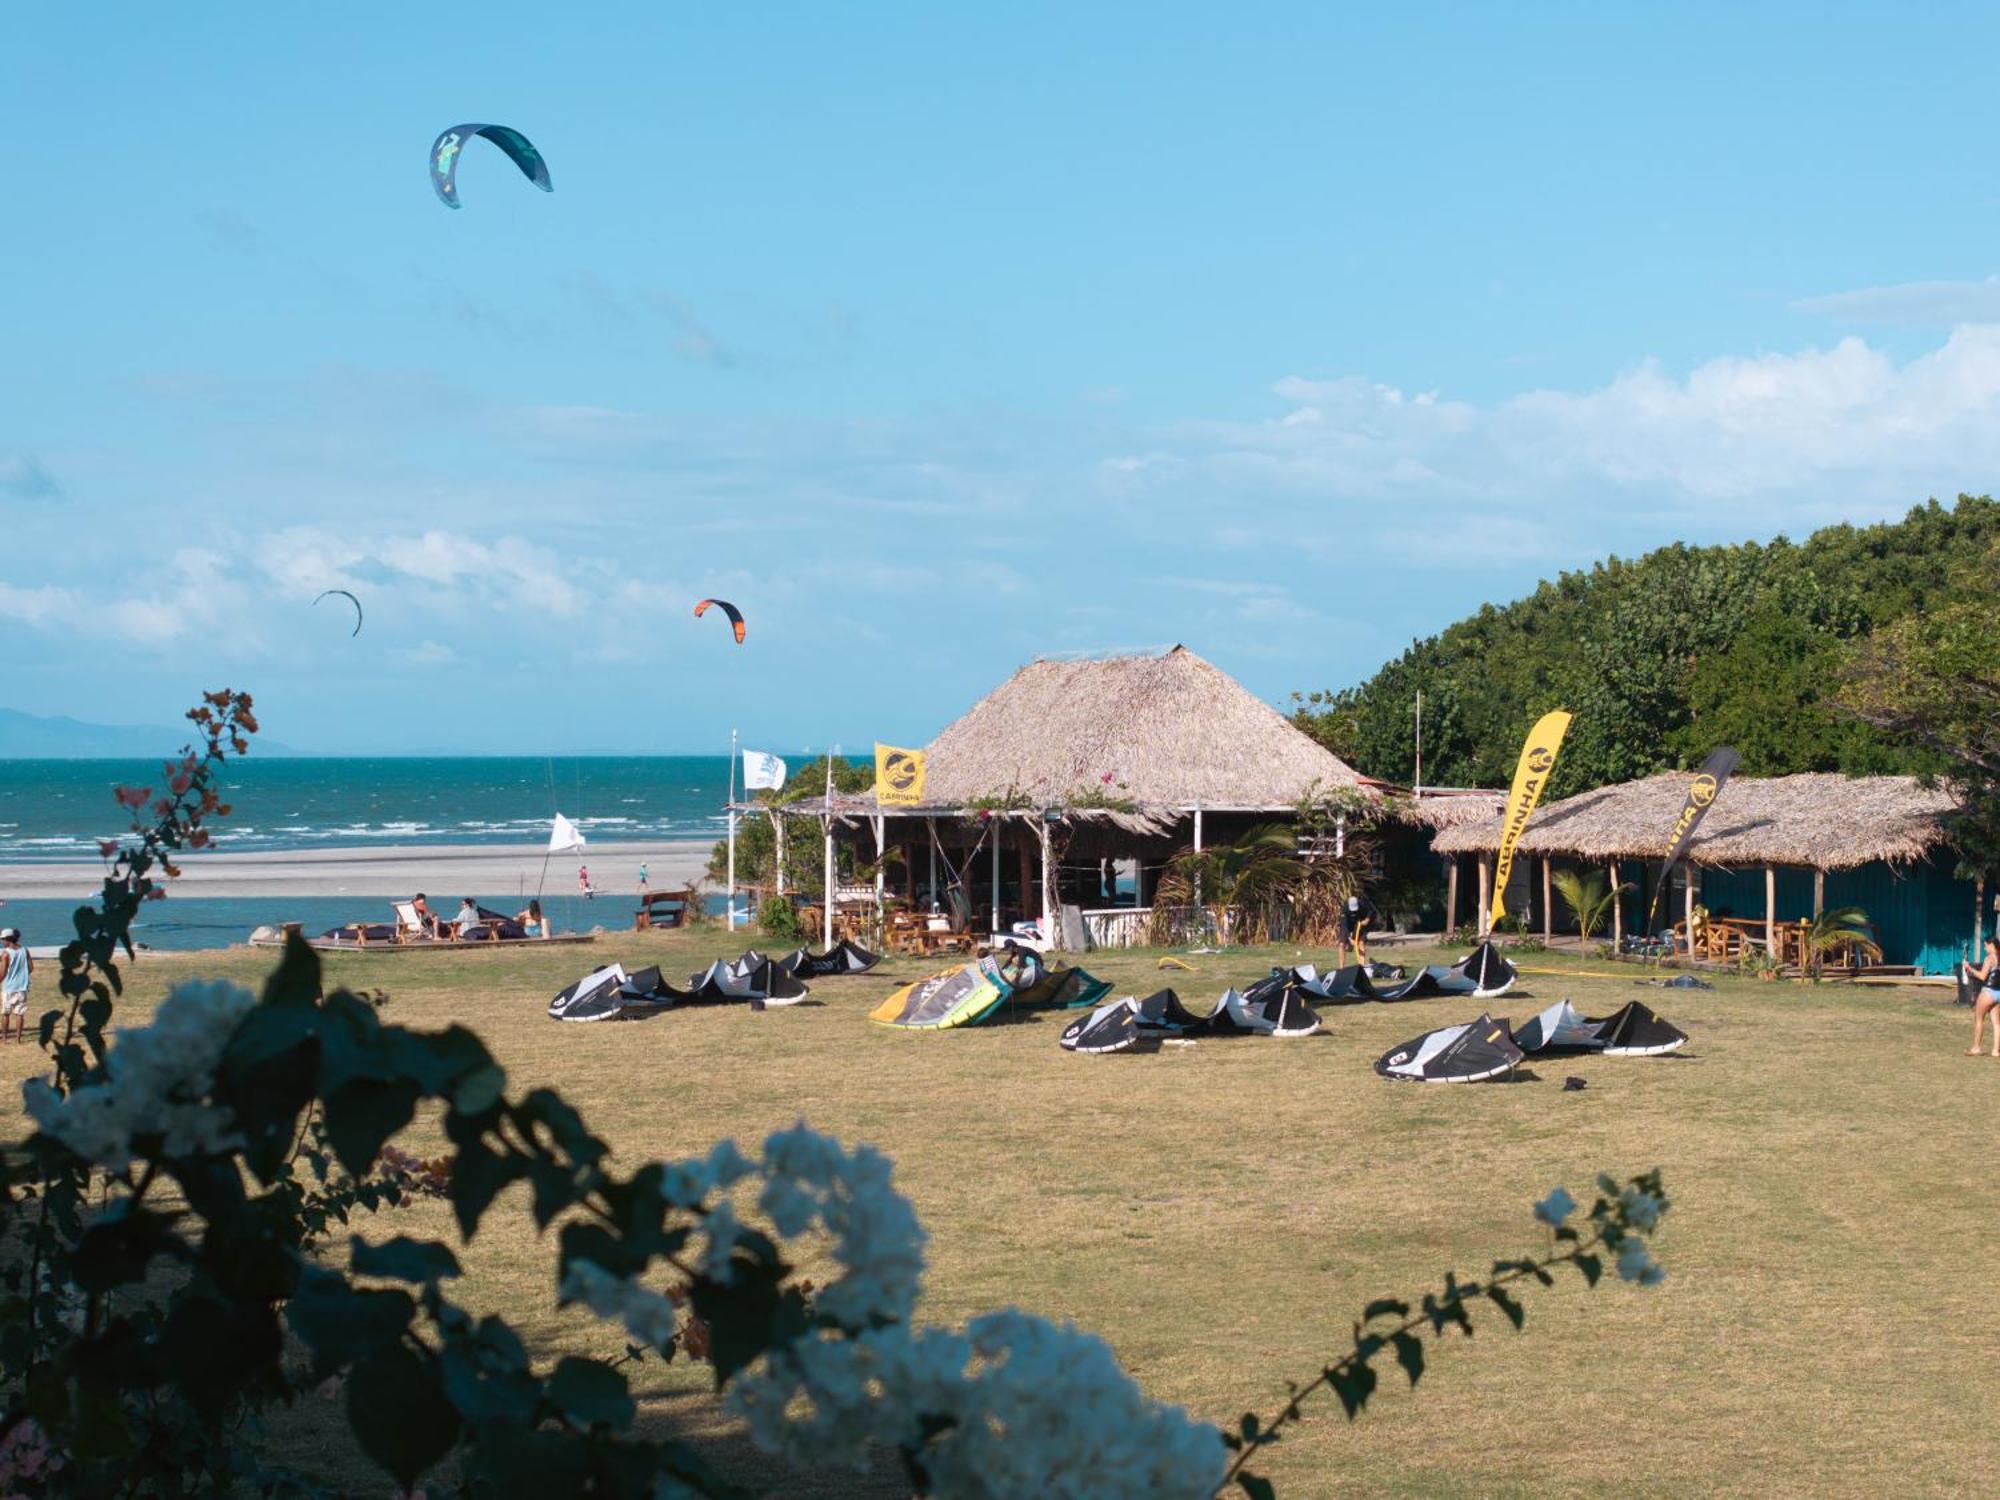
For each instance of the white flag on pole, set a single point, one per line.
(762, 772)
(564, 836)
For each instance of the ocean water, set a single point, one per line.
(59, 809)
(183, 923)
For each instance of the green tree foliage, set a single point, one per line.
(1663, 658)
(1929, 681)
(757, 839)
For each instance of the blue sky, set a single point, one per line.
(939, 338)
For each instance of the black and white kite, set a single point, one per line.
(610, 994)
(1631, 1031)
(842, 958)
(1470, 1053)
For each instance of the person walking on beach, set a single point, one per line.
(583, 882)
(643, 886)
(16, 966)
(1986, 1000)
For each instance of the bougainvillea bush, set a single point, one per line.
(181, 1253)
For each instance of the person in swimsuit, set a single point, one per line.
(1987, 1001)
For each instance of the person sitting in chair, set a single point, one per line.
(533, 923)
(468, 923)
(427, 922)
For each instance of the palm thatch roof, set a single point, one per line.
(1129, 740)
(1438, 811)
(1818, 820)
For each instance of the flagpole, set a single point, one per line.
(826, 906)
(731, 897)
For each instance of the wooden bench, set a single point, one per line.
(665, 909)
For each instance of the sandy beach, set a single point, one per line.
(440, 870)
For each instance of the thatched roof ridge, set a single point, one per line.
(1456, 809)
(1170, 731)
(1819, 820)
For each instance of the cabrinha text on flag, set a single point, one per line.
(899, 776)
(1531, 775)
(1702, 792)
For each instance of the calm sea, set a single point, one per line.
(59, 809)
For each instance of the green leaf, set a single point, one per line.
(340, 1324)
(477, 1176)
(1385, 1307)
(1591, 1267)
(397, 1408)
(510, 1462)
(591, 1394)
(1256, 1487)
(116, 1250)
(295, 983)
(555, 1190)
(1410, 1355)
(1353, 1384)
(747, 1315)
(361, 1116)
(1248, 1425)
(405, 1259)
(1507, 1305)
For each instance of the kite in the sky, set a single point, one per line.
(735, 615)
(351, 600)
(520, 150)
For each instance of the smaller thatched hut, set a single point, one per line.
(1780, 849)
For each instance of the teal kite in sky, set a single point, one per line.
(520, 150)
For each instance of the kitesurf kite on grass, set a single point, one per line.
(351, 600)
(735, 615)
(519, 149)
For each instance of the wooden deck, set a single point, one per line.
(431, 945)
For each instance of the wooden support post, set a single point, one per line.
(1548, 902)
(1819, 893)
(778, 838)
(1451, 896)
(1485, 914)
(1051, 897)
(998, 825)
(1771, 910)
(1617, 913)
(881, 870)
(1687, 886)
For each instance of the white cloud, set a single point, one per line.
(427, 654)
(25, 479)
(1756, 440)
(1917, 304)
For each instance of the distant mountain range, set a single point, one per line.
(31, 737)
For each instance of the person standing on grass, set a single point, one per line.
(1986, 1002)
(16, 967)
(1356, 912)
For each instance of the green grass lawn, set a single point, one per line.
(1221, 1212)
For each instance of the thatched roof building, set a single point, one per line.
(1819, 821)
(1169, 731)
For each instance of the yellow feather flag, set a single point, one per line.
(899, 776)
(1538, 759)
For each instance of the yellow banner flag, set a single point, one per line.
(1538, 758)
(899, 776)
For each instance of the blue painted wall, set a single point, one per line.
(1921, 913)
